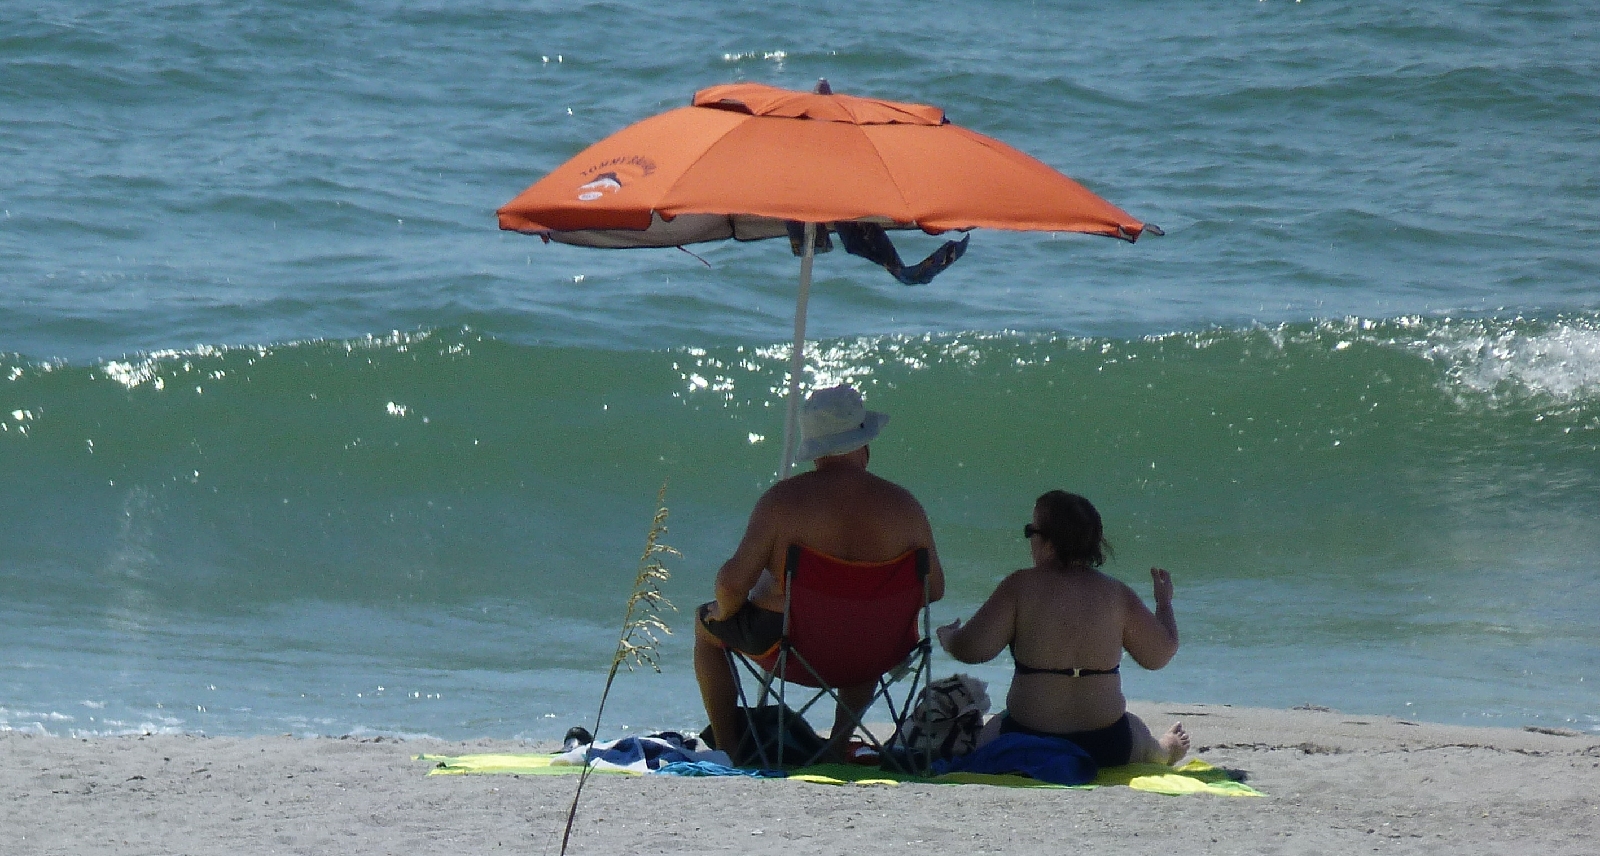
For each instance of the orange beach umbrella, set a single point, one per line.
(745, 159)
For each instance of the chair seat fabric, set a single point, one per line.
(845, 624)
(850, 621)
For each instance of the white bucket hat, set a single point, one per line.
(834, 422)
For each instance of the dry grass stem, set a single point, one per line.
(641, 624)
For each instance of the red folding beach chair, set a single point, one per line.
(845, 623)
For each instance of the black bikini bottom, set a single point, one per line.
(1111, 746)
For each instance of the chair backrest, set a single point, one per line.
(850, 621)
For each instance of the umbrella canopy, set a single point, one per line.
(745, 160)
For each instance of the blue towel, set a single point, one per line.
(708, 768)
(1049, 759)
(632, 750)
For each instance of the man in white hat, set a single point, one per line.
(839, 509)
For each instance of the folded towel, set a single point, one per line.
(1048, 759)
(708, 768)
(638, 754)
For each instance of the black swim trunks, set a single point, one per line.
(1111, 746)
(752, 630)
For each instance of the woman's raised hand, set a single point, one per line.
(1163, 585)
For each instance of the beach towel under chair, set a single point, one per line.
(845, 623)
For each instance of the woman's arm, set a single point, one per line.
(1152, 638)
(989, 632)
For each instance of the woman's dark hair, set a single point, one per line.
(1072, 526)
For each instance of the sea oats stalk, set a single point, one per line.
(640, 624)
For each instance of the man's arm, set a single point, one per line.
(738, 575)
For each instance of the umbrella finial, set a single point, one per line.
(822, 86)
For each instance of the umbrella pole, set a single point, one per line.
(797, 354)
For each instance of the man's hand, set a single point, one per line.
(725, 607)
(944, 633)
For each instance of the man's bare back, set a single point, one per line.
(839, 509)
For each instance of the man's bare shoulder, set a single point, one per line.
(790, 490)
(894, 488)
(886, 488)
(839, 478)
(852, 492)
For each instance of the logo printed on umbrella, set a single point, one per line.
(607, 176)
(606, 183)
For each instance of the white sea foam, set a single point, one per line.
(1560, 361)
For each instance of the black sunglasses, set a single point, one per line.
(1029, 530)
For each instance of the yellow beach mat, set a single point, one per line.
(1195, 777)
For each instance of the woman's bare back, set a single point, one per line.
(1067, 619)
(1067, 625)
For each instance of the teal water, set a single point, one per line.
(293, 440)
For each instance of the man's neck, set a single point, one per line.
(856, 460)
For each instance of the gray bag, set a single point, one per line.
(948, 717)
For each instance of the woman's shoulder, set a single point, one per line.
(1033, 582)
(1022, 576)
(1010, 584)
(1041, 579)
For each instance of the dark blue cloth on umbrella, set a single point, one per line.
(871, 242)
(1049, 759)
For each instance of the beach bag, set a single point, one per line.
(948, 717)
(798, 744)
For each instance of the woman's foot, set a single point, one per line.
(1175, 743)
(1167, 749)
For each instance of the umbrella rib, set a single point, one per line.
(904, 202)
(705, 151)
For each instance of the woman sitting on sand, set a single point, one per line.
(1067, 625)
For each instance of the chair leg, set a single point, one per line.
(851, 706)
(768, 748)
(894, 754)
(734, 744)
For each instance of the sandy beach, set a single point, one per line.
(1335, 783)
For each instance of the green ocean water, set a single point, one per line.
(1408, 496)
(292, 439)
